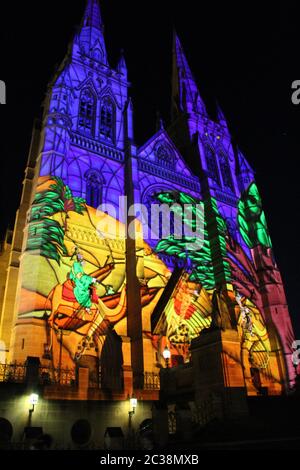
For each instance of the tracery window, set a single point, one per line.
(94, 187)
(107, 119)
(86, 121)
(212, 166)
(226, 172)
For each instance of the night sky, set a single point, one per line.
(244, 57)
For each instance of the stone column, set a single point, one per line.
(218, 374)
(127, 369)
(83, 383)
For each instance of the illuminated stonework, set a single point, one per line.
(80, 299)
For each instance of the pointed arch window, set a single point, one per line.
(107, 120)
(212, 166)
(226, 172)
(87, 105)
(97, 55)
(94, 188)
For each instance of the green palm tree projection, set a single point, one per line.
(200, 254)
(45, 235)
(218, 241)
(252, 220)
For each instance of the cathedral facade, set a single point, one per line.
(77, 292)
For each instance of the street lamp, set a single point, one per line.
(33, 400)
(167, 355)
(132, 405)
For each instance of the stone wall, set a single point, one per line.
(57, 417)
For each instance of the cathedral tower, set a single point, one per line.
(228, 185)
(85, 142)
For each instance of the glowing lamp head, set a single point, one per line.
(166, 353)
(33, 399)
(133, 403)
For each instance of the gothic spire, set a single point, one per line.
(122, 67)
(221, 116)
(159, 122)
(91, 35)
(92, 16)
(186, 95)
(245, 174)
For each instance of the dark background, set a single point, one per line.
(242, 55)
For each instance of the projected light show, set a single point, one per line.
(74, 282)
(141, 303)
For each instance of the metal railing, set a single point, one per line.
(52, 375)
(14, 373)
(17, 373)
(151, 381)
(48, 375)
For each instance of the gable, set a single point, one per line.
(161, 151)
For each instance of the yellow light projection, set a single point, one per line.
(73, 293)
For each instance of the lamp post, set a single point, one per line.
(167, 356)
(33, 400)
(132, 405)
(131, 412)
